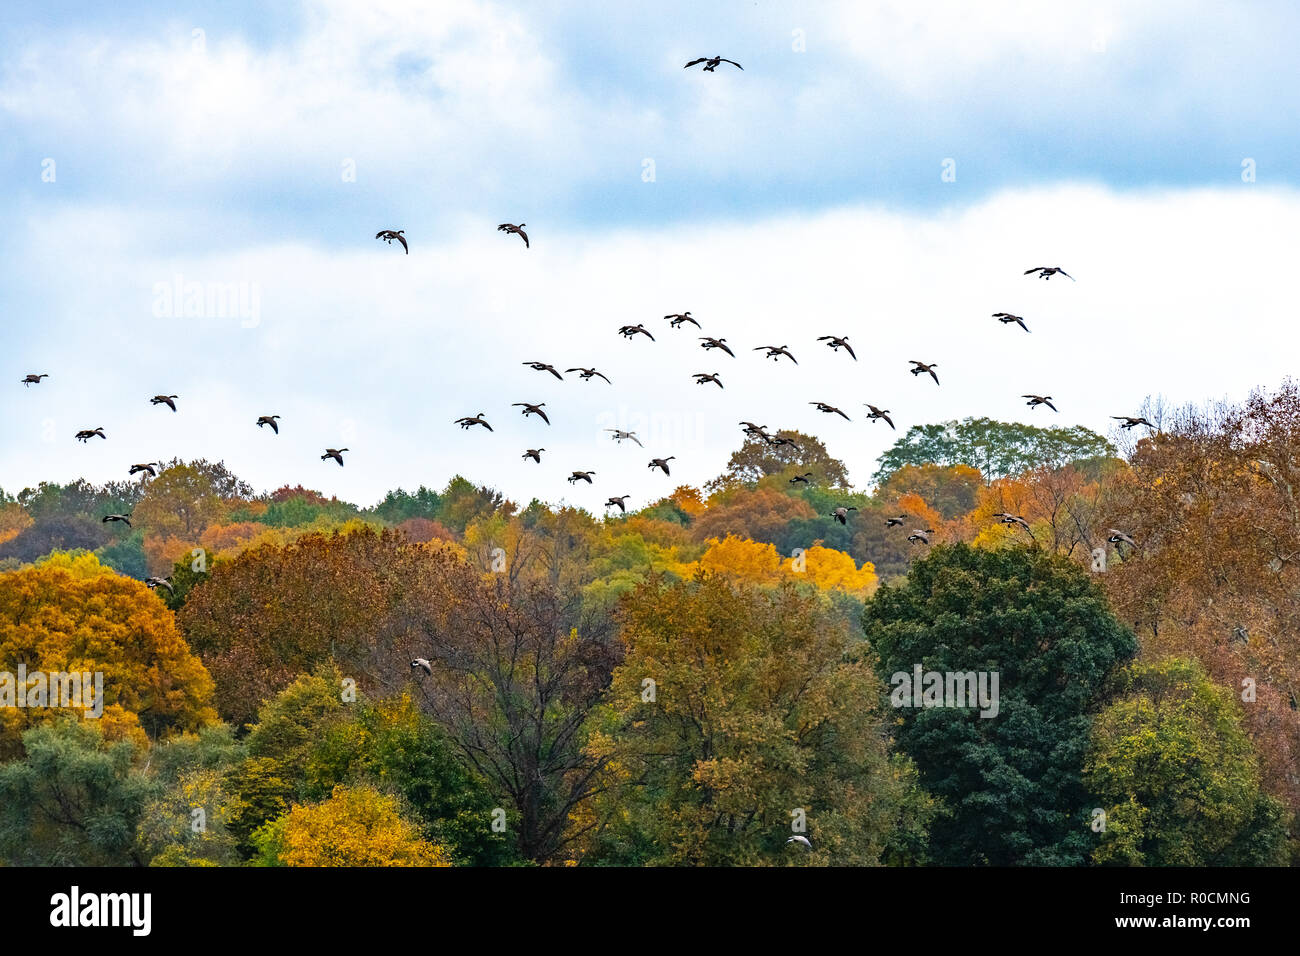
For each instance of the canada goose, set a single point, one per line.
(150, 468)
(1132, 420)
(388, 235)
(1116, 537)
(677, 318)
(841, 514)
(168, 400)
(802, 478)
(34, 379)
(711, 63)
(125, 519)
(469, 421)
(922, 536)
(620, 501)
(515, 230)
(801, 840)
(587, 373)
(775, 352)
(532, 410)
(1036, 400)
(157, 582)
(630, 331)
(1005, 517)
(580, 476)
(752, 429)
(703, 379)
(776, 441)
(619, 435)
(543, 367)
(921, 368)
(422, 664)
(335, 453)
(830, 410)
(882, 413)
(838, 342)
(1005, 317)
(712, 343)
(86, 434)
(1046, 272)
(661, 463)
(268, 420)
(895, 522)
(534, 453)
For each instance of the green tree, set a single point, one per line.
(74, 799)
(1011, 783)
(760, 717)
(1177, 776)
(997, 449)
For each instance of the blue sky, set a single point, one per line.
(799, 197)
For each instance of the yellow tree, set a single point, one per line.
(71, 614)
(356, 826)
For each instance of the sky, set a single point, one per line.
(885, 171)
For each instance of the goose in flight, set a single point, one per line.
(921, 368)
(1046, 272)
(797, 479)
(168, 400)
(775, 352)
(157, 582)
(1131, 421)
(33, 379)
(543, 367)
(1118, 537)
(335, 453)
(921, 536)
(515, 230)
(677, 318)
(895, 522)
(125, 519)
(1006, 517)
(534, 453)
(86, 434)
(586, 373)
(830, 410)
(532, 410)
(388, 235)
(619, 435)
(150, 468)
(777, 441)
(712, 343)
(580, 476)
(703, 379)
(841, 514)
(630, 331)
(1036, 400)
(621, 501)
(837, 342)
(422, 664)
(661, 463)
(754, 431)
(711, 63)
(469, 421)
(1005, 317)
(881, 413)
(268, 420)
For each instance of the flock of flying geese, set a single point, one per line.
(709, 344)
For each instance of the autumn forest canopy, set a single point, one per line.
(452, 678)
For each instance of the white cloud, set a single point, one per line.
(1181, 293)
